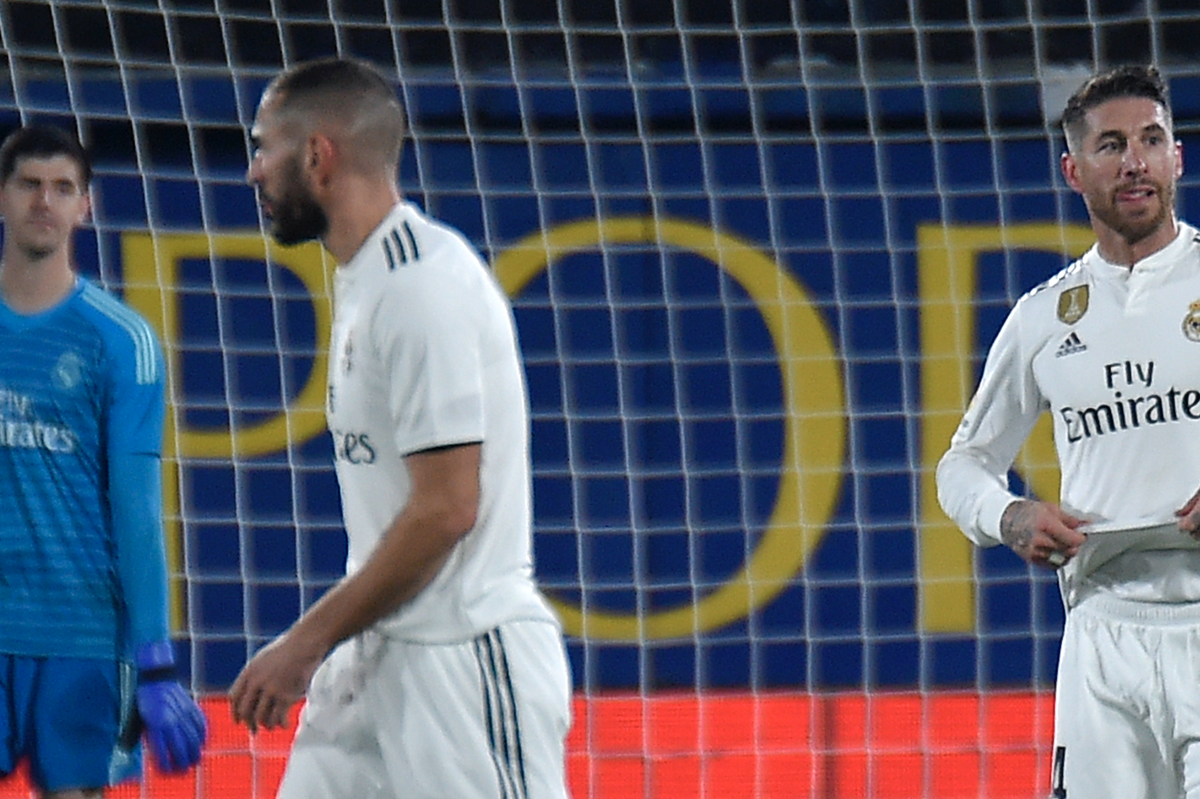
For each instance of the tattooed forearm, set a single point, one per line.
(1016, 525)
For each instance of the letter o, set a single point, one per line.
(814, 429)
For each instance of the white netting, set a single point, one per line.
(756, 250)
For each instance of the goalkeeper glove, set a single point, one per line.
(173, 723)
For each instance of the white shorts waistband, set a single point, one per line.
(1105, 606)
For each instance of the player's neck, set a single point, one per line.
(356, 215)
(1116, 249)
(30, 286)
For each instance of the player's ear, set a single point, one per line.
(1070, 171)
(320, 157)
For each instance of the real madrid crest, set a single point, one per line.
(348, 353)
(1073, 304)
(68, 372)
(1191, 322)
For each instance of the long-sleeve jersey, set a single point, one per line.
(81, 414)
(1113, 354)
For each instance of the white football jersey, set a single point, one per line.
(1113, 354)
(424, 354)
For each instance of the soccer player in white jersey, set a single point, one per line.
(1110, 347)
(434, 668)
(85, 655)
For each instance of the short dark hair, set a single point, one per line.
(1127, 81)
(334, 73)
(351, 91)
(43, 141)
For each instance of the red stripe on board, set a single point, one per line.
(731, 745)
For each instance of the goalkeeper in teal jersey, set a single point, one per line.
(86, 664)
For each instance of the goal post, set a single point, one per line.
(756, 252)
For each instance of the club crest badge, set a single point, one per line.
(348, 354)
(1191, 322)
(68, 372)
(1073, 304)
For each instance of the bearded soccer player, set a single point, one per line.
(1110, 347)
(446, 673)
(86, 664)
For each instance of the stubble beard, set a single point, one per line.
(297, 217)
(1135, 229)
(35, 251)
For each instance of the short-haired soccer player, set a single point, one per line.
(448, 673)
(86, 664)
(1110, 347)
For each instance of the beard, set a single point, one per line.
(295, 215)
(1135, 228)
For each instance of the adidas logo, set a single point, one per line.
(1071, 345)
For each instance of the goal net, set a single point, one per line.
(756, 251)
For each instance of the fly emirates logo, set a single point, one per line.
(1134, 404)
(20, 429)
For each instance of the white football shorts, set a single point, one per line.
(1127, 702)
(390, 719)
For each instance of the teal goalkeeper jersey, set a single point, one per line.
(80, 383)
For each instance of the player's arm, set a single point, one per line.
(1041, 533)
(972, 476)
(173, 724)
(135, 500)
(441, 510)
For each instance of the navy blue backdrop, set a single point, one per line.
(695, 376)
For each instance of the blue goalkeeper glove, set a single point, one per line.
(173, 723)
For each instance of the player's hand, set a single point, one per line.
(1041, 533)
(1189, 516)
(173, 724)
(274, 680)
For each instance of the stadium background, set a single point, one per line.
(752, 290)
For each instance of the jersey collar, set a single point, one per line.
(1159, 261)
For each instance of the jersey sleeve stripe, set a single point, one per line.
(146, 364)
(391, 258)
(412, 240)
(400, 246)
